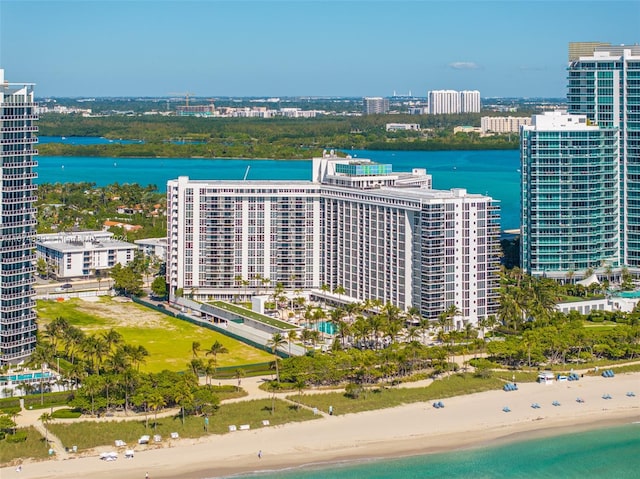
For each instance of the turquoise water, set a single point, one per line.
(323, 327)
(612, 453)
(84, 140)
(24, 377)
(628, 294)
(495, 173)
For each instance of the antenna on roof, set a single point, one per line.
(246, 173)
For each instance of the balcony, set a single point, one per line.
(18, 129)
(17, 307)
(21, 164)
(19, 354)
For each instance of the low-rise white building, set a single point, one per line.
(503, 124)
(72, 255)
(153, 247)
(403, 126)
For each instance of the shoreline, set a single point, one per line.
(470, 421)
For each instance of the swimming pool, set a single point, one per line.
(628, 294)
(26, 377)
(323, 327)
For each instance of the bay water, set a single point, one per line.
(487, 172)
(609, 453)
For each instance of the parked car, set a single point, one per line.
(64, 287)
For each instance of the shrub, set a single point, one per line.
(66, 414)
(19, 436)
(353, 390)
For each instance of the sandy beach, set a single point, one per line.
(465, 421)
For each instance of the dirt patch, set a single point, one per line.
(125, 314)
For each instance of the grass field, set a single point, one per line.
(380, 398)
(167, 339)
(34, 447)
(87, 434)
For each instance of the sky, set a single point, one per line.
(268, 48)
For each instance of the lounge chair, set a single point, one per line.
(506, 409)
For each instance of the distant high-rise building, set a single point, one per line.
(453, 102)
(18, 221)
(503, 124)
(470, 101)
(375, 105)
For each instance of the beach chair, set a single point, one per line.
(506, 409)
(556, 403)
(631, 394)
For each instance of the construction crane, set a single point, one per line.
(185, 94)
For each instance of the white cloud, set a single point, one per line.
(464, 66)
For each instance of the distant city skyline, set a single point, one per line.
(306, 48)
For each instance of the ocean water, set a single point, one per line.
(495, 173)
(611, 453)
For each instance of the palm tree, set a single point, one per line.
(292, 335)
(325, 289)
(339, 290)
(276, 341)
(112, 338)
(137, 355)
(182, 395)
(155, 401)
(44, 419)
(239, 373)
(300, 385)
(43, 354)
(215, 349)
(195, 348)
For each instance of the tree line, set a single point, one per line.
(278, 138)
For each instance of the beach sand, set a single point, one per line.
(465, 421)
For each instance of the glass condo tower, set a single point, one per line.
(17, 221)
(581, 172)
(604, 85)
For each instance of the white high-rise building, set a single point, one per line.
(18, 221)
(470, 101)
(451, 102)
(378, 234)
(444, 102)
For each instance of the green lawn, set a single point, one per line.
(167, 339)
(263, 318)
(34, 447)
(379, 398)
(88, 434)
